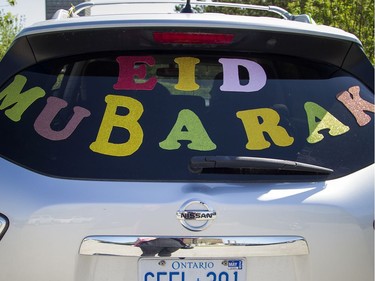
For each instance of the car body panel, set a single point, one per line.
(326, 214)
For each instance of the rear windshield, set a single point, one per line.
(146, 116)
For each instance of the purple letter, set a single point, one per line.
(231, 79)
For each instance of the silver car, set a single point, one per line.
(186, 147)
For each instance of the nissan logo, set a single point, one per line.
(195, 215)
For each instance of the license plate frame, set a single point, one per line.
(191, 269)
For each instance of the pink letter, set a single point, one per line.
(356, 105)
(42, 124)
(231, 79)
(129, 71)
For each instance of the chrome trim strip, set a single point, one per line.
(3, 225)
(202, 247)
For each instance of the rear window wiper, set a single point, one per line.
(252, 165)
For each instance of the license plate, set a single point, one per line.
(192, 269)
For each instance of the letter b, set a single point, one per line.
(128, 122)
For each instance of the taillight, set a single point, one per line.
(192, 38)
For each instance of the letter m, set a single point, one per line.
(16, 102)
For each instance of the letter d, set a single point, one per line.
(231, 77)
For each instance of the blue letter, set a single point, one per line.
(149, 274)
(160, 274)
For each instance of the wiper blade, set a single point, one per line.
(248, 165)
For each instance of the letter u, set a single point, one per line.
(54, 105)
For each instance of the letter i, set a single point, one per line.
(186, 77)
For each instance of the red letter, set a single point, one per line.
(129, 71)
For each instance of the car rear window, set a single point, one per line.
(145, 116)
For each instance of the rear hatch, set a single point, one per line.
(138, 151)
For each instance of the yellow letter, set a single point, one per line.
(186, 77)
(270, 125)
(128, 122)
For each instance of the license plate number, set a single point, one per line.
(192, 270)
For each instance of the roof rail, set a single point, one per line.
(75, 10)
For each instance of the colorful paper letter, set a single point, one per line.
(188, 127)
(327, 121)
(255, 130)
(12, 96)
(130, 70)
(356, 105)
(186, 76)
(128, 122)
(43, 122)
(231, 77)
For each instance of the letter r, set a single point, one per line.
(270, 125)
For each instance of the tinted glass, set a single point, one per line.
(143, 117)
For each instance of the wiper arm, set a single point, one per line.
(200, 164)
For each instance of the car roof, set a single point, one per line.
(193, 20)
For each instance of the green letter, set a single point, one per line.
(12, 96)
(327, 121)
(195, 133)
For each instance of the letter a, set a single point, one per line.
(270, 125)
(128, 122)
(328, 121)
(195, 133)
